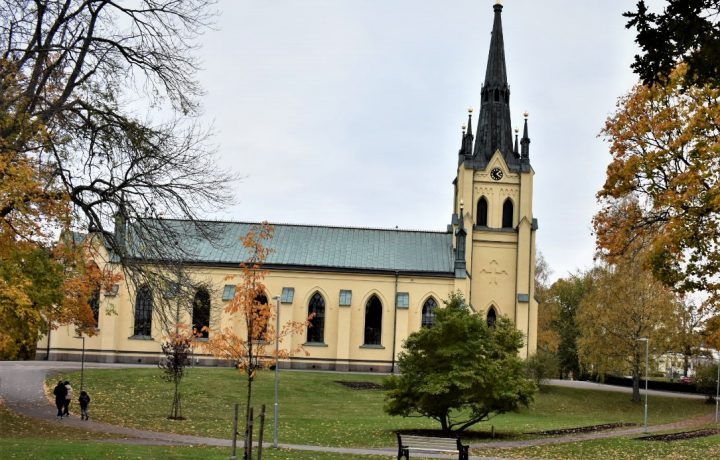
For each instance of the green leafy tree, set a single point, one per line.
(460, 371)
(686, 30)
(564, 298)
(706, 380)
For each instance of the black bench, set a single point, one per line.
(407, 443)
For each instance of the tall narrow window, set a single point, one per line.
(507, 220)
(94, 303)
(428, 312)
(316, 330)
(491, 317)
(373, 321)
(143, 312)
(482, 212)
(261, 316)
(201, 312)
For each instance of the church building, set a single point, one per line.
(369, 288)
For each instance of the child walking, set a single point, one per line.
(84, 402)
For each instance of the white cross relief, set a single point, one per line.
(493, 271)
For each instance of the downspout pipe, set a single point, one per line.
(394, 342)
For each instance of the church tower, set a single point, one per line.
(493, 224)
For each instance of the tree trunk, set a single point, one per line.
(686, 364)
(248, 448)
(444, 423)
(636, 378)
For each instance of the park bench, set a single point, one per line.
(408, 443)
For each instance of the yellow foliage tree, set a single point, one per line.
(663, 184)
(624, 305)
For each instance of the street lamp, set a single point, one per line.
(82, 360)
(277, 370)
(647, 360)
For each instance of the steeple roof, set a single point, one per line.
(494, 130)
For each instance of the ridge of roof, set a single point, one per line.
(285, 224)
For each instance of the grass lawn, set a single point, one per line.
(27, 439)
(316, 410)
(625, 448)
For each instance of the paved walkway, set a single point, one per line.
(22, 389)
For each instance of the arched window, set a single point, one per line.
(428, 312)
(491, 317)
(94, 303)
(482, 212)
(316, 330)
(373, 321)
(507, 220)
(143, 312)
(261, 316)
(201, 312)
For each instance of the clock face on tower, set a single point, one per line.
(496, 174)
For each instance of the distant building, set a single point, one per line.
(369, 288)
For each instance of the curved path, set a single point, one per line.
(22, 390)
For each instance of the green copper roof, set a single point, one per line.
(316, 246)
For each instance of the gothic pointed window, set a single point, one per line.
(316, 330)
(260, 317)
(482, 212)
(201, 312)
(94, 303)
(507, 215)
(373, 321)
(428, 313)
(143, 312)
(491, 317)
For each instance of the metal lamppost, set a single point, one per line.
(277, 370)
(647, 360)
(82, 361)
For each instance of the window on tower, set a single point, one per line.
(482, 212)
(507, 216)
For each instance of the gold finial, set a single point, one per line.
(470, 109)
(462, 204)
(498, 2)
(525, 114)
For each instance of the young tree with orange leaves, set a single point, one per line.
(253, 347)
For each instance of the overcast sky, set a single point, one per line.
(348, 112)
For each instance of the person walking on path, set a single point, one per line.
(60, 393)
(84, 400)
(68, 398)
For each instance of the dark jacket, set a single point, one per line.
(84, 400)
(60, 392)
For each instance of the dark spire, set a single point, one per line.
(525, 142)
(516, 151)
(467, 139)
(494, 131)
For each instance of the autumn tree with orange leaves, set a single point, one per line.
(43, 282)
(253, 347)
(662, 190)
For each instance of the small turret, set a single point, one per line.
(525, 143)
(460, 234)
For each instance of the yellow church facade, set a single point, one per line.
(368, 288)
